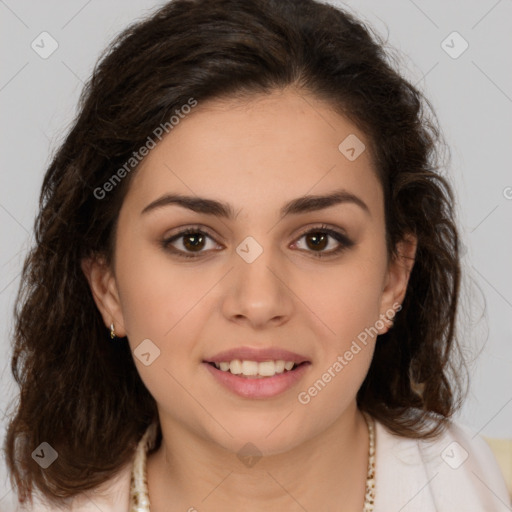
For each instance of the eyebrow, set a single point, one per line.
(220, 209)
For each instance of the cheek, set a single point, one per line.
(155, 294)
(165, 305)
(345, 298)
(163, 314)
(347, 303)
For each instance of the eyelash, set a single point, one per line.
(339, 237)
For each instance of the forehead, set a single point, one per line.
(259, 151)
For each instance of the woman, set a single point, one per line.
(244, 288)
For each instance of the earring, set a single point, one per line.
(112, 331)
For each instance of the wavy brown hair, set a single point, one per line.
(80, 392)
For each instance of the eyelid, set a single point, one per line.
(336, 233)
(194, 229)
(330, 229)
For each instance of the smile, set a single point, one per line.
(254, 368)
(257, 380)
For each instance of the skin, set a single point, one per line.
(255, 154)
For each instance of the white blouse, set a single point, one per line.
(455, 472)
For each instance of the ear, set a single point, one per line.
(397, 279)
(104, 290)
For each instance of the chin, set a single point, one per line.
(264, 438)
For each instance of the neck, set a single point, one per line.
(189, 472)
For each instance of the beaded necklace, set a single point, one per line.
(139, 499)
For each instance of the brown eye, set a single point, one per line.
(318, 239)
(192, 242)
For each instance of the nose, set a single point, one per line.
(258, 293)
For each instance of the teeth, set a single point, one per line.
(235, 367)
(249, 368)
(279, 365)
(267, 368)
(255, 369)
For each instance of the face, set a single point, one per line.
(271, 279)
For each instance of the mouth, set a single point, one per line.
(257, 374)
(256, 370)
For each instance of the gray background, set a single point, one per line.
(472, 95)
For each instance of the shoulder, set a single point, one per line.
(455, 471)
(112, 496)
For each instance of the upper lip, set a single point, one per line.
(258, 355)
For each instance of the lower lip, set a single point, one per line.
(265, 387)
